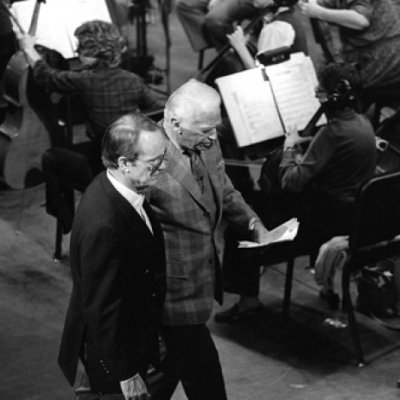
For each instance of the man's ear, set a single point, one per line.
(122, 163)
(176, 126)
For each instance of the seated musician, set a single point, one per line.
(324, 180)
(370, 36)
(207, 22)
(106, 91)
(280, 29)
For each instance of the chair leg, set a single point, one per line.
(200, 60)
(58, 244)
(288, 290)
(347, 306)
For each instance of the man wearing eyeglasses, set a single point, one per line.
(118, 267)
(192, 197)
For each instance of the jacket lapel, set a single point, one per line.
(180, 170)
(133, 219)
(210, 160)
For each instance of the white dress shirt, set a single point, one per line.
(134, 199)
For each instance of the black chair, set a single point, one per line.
(377, 223)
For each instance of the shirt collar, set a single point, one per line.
(133, 198)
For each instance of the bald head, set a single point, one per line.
(192, 114)
(191, 100)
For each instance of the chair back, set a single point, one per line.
(377, 211)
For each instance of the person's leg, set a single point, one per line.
(191, 14)
(64, 170)
(219, 20)
(242, 277)
(192, 358)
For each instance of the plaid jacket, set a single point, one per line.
(194, 248)
(107, 93)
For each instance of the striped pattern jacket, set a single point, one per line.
(194, 248)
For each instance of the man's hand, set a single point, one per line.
(293, 139)
(135, 389)
(260, 232)
(27, 42)
(237, 38)
(310, 8)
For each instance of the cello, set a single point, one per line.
(23, 136)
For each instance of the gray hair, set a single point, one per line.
(192, 96)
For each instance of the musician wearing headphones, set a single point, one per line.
(319, 183)
(342, 154)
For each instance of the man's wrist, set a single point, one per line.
(253, 222)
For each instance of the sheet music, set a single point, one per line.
(293, 83)
(251, 107)
(58, 20)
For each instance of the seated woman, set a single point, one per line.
(370, 35)
(107, 92)
(324, 178)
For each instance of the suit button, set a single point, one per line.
(147, 271)
(153, 295)
(210, 261)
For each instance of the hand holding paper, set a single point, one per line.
(284, 232)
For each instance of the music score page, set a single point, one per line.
(293, 83)
(262, 103)
(58, 20)
(251, 107)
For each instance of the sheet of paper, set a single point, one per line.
(293, 83)
(58, 20)
(251, 107)
(285, 232)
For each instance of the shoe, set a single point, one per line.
(331, 298)
(65, 216)
(233, 314)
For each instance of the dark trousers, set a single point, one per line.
(65, 170)
(191, 358)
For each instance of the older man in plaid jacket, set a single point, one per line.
(191, 198)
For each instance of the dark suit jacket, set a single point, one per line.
(118, 272)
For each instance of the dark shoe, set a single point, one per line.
(331, 298)
(233, 314)
(65, 216)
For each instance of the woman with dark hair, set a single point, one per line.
(106, 91)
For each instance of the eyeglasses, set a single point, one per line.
(155, 164)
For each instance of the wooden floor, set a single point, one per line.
(308, 360)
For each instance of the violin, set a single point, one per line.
(23, 136)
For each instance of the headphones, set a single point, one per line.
(343, 96)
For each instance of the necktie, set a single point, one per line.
(200, 173)
(144, 217)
